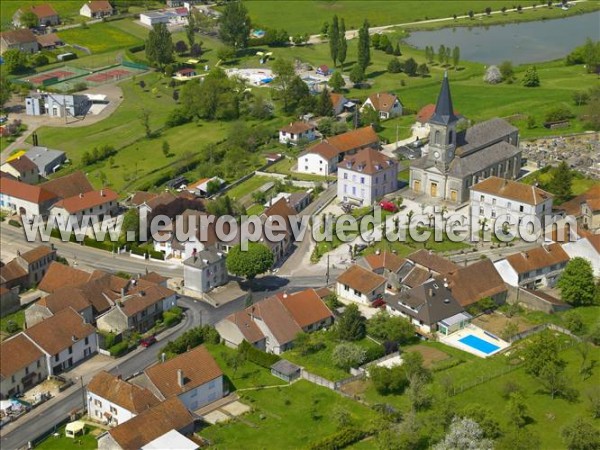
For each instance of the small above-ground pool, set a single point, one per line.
(479, 344)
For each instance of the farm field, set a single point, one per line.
(100, 37)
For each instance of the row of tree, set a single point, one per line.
(444, 55)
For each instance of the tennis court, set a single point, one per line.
(109, 75)
(52, 76)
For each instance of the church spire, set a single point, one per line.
(444, 112)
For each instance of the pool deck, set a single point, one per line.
(453, 340)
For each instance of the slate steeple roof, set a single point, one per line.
(444, 112)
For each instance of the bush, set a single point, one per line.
(338, 440)
(172, 316)
(177, 117)
(374, 353)
(12, 327)
(257, 356)
(119, 349)
(347, 355)
(559, 113)
(190, 339)
(14, 223)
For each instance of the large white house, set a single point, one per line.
(366, 176)
(113, 401)
(21, 198)
(297, 131)
(95, 203)
(96, 9)
(22, 365)
(205, 270)
(386, 104)
(360, 285)
(496, 197)
(534, 268)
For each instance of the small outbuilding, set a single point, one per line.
(74, 428)
(286, 370)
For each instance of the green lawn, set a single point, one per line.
(68, 10)
(81, 442)
(248, 186)
(320, 363)
(285, 167)
(247, 375)
(285, 418)
(18, 317)
(100, 37)
(579, 185)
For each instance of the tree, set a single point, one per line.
(581, 434)
(334, 40)
(492, 75)
(131, 222)
(5, 91)
(397, 51)
(351, 324)
(29, 19)
(507, 71)
(394, 66)
(541, 350)
(510, 329)
(531, 77)
(412, 363)
(517, 410)
(181, 47)
(388, 380)
(235, 25)
(456, 56)
(357, 74)
(190, 31)
(254, 261)
(364, 51)
(384, 327)
(341, 416)
(593, 396)
(159, 45)
(503, 9)
(284, 73)
(519, 9)
(464, 434)
(488, 11)
(336, 82)
(166, 149)
(576, 283)
(442, 54)
(423, 70)
(485, 418)
(561, 183)
(410, 67)
(347, 355)
(471, 14)
(15, 61)
(195, 49)
(580, 97)
(418, 393)
(519, 439)
(145, 121)
(343, 44)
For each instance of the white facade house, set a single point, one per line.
(297, 131)
(539, 267)
(96, 9)
(496, 198)
(177, 16)
(205, 270)
(22, 373)
(321, 159)
(360, 285)
(386, 104)
(20, 198)
(366, 176)
(93, 203)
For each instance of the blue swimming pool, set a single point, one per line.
(479, 344)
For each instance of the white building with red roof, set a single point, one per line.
(96, 9)
(297, 131)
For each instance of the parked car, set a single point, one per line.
(148, 341)
(387, 205)
(3, 120)
(379, 303)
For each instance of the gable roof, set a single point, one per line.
(361, 279)
(37, 253)
(512, 190)
(324, 149)
(336, 99)
(144, 296)
(48, 40)
(246, 325)
(141, 197)
(594, 239)
(152, 423)
(472, 283)
(416, 277)
(354, 139)
(12, 272)
(197, 364)
(65, 297)
(16, 353)
(537, 258)
(100, 6)
(383, 101)
(305, 307)
(18, 36)
(297, 127)
(133, 398)
(367, 161)
(42, 11)
(34, 194)
(277, 318)
(69, 185)
(573, 206)
(23, 165)
(432, 261)
(60, 275)
(86, 200)
(60, 331)
(384, 260)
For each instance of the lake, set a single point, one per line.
(523, 42)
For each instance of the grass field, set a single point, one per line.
(248, 186)
(579, 185)
(18, 317)
(286, 418)
(81, 442)
(100, 37)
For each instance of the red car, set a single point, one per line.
(379, 303)
(147, 342)
(388, 206)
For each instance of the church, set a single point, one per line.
(453, 161)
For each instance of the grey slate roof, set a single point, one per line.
(43, 156)
(430, 302)
(285, 367)
(444, 112)
(483, 134)
(203, 258)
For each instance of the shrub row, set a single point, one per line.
(339, 440)
(448, 364)
(257, 356)
(119, 349)
(190, 339)
(14, 223)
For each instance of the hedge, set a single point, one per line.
(339, 440)
(257, 356)
(119, 349)
(14, 223)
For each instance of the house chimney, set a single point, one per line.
(180, 379)
(81, 195)
(430, 292)
(101, 192)
(162, 357)
(122, 293)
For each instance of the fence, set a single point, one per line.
(319, 381)
(134, 65)
(455, 390)
(542, 327)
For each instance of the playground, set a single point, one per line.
(256, 77)
(67, 78)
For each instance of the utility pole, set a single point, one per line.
(327, 273)
(83, 394)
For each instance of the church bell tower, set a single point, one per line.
(442, 126)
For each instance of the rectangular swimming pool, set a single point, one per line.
(479, 344)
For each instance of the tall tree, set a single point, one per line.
(254, 261)
(15, 61)
(357, 74)
(364, 50)
(581, 434)
(29, 19)
(576, 284)
(5, 91)
(284, 73)
(456, 56)
(159, 45)
(336, 82)
(531, 77)
(190, 30)
(343, 44)
(442, 54)
(235, 25)
(334, 39)
(464, 433)
(351, 324)
(561, 183)
(324, 104)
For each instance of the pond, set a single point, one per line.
(524, 42)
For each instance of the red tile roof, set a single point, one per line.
(16, 353)
(361, 279)
(60, 275)
(23, 165)
(133, 398)
(306, 307)
(538, 258)
(432, 261)
(384, 260)
(42, 11)
(297, 127)
(88, 200)
(19, 36)
(69, 185)
(24, 191)
(246, 326)
(35, 254)
(100, 6)
(367, 161)
(383, 101)
(277, 318)
(355, 139)
(472, 283)
(512, 190)
(573, 206)
(324, 149)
